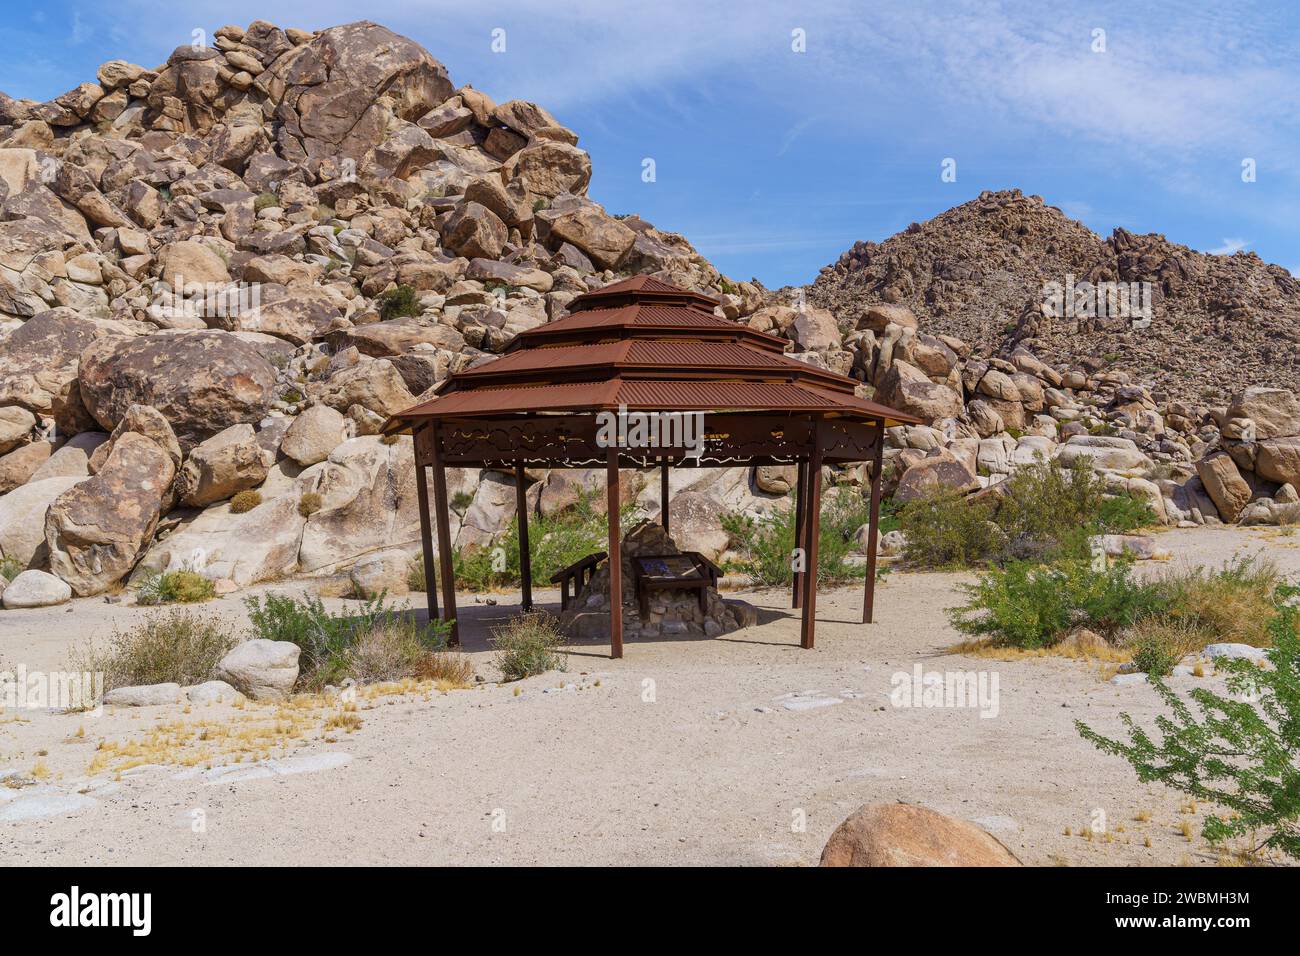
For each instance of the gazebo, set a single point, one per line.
(650, 353)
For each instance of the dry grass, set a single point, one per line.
(987, 648)
(179, 645)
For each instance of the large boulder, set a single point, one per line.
(696, 520)
(18, 466)
(587, 226)
(96, 529)
(22, 519)
(473, 230)
(38, 364)
(548, 168)
(1224, 484)
(143, 420)
(35, 589)
(16, 426)
(1278, 459)
(814, 330)
(939, 471)
(1104, 453)
(261, 669)
(315, 433)
(1275, 411)
(906, 388)
(902, 834)
(374, 384)
(202, 382)
(222, 466)
(338, 92)
(72, 458)
(368, 502)
(248, 547)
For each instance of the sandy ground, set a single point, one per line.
(684, 752)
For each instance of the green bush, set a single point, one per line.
(528, 644)
(554, 542)
(399, 302)
(178, 646)
(175, 587)
(945, 530)
(1241, 754)
(767, 542)
(1029, 606)
(327, 639)
(1044, 513)
(1158, 643)
(265, 201)
(10, 568)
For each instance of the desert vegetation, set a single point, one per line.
(177, 645)
(528, 644)
(1239, 752)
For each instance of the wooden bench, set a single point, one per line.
(579, 572)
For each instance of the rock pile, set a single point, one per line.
(1219, 324)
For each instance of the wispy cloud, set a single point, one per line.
(1230, 246)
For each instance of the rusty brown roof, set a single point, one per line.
(650, 346)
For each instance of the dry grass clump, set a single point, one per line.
(1232, 604)
(245, 501)
(394, 650)
(528, 644)
(177, 646)
(309, 504)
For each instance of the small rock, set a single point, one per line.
(144, 695)
(211, 692)
(36, 589)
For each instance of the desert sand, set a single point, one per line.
(684, 752)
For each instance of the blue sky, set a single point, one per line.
(772, 161)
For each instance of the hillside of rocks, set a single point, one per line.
(977, 272)
(220, 275)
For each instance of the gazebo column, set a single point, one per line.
(426, 536)
(663, 493)
(443, 518)
(525, 558)
(615, 554)
(800, 504)
(873, 526)
(812, 524)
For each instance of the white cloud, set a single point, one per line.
(1230, 246)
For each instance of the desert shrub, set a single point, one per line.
(10, 568)
(292, 396)
(1234, 603)
(396, 648)
(265, 201)
(768, 541)
(1242, 754)
(945, 529)
(178, 645)
(1027, 605)
(309, 503)
(399, 302)
(245, 501)
(528, 644)
(415, 574)
(1158, 643)
(1044, 513)
(554, 541)
(461, 500)
(328, 640)
(175, 587)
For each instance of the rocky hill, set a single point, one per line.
(219, 276)
(979, 271)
